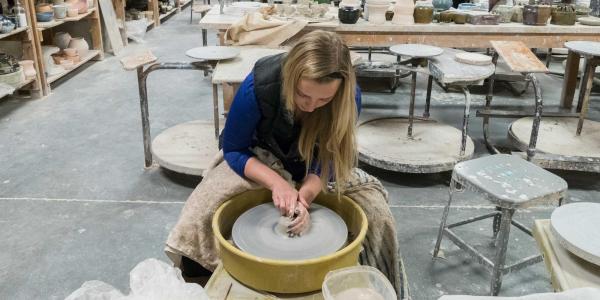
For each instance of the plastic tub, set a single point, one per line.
(357, 283)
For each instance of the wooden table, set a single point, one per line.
(221, 286)
(364, 34)
(567, 271)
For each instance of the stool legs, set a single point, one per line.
(537, 118)
(463, 143)
(488, 103)
(451, 191)
(411, 112)
(428, 99)
(584, 92)
(500, 257)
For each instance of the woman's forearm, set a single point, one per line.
(258, 172)
(311, 187)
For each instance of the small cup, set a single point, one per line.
(70, 52)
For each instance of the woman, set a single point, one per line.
(293, 120)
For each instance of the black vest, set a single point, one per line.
(276, 128)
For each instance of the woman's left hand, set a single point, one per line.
(301, 222)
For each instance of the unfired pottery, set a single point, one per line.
(72, 12)
(563, 15)
(70, 51)
(377, 13)
(60, 11)
(403, 12)
(504, 11)
(28, 68)
(43, 8)
(81, 45)
(61, 39)
(517, 15)
(537, 15)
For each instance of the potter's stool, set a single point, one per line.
(510, 183)
(591, 53)
(186, 148)
(519, 59)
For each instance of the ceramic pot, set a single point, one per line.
(6, 26)
(564, 15)
(44, 17)
(442, 4)
(423, 14)
(60, 11)
(28, 68)
(460, 18)
(389, 15)
(13, 79)
(504, 11)
(403, 12)
(349, 15)
(8, 64)
(517, 15)
(446, 17)
(537, 15)
(43, 8)
(80, 44)
(377, 13)
(83, 6)
(61, 40)
(70, 52)
(72, 12)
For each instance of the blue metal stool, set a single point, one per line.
(510, 183)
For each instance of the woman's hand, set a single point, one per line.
(301, 222)
(285, 198)
(311, 187)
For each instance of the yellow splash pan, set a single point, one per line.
(286, 276)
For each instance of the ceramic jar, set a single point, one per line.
(563, 15)
(403, 12)
(72, 12)
(517, 15)
(81, 45)
(28, 69)
(60, 11)
(349, 15)
(446, 16)
(61, 40)
(423, 14)
(504, 11)
(460, 18)
(6, 26)
(377, 10)
(537, 15)
(442, 4)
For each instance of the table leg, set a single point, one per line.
(570, 81)
(463, 142)
(584, 92)
(411, 112)
(145, 118)
(216, 109)
(428, 99)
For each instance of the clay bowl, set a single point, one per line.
(43, 8)
(286, 276)
(349, 15)
(70, 52)
(45, 16)
(72, 12)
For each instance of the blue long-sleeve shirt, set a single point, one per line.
(242, 121)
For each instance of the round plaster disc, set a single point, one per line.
(473, 59)
(434, 147)
(187, 148)
(557, 136)
(584, 47)
(577, 228)
(590, 21)
(257, 232)
(213, 52)
(416, 50)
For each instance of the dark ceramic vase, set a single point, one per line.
(349, 15)
(537, 15)
(389, 15)
(423, 14)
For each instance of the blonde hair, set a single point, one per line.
(323, 56)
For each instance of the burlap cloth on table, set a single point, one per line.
(255, 29)
(192, 235)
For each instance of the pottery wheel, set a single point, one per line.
(187, 148)
(434, 147)
(213, 52)
(577, 228)
(257, 232)
(473, 58)
(416, 50)
(584, 47)
(557, 136)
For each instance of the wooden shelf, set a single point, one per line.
(91, 54)
(150, 24)
(15, 31)
(168, 14)
(45, 25)
(183, 4)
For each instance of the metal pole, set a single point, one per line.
(438, 242)
(216, 109)
(428, 99)
(537, 118)
(142, 76)
(488, 103)
(463, 142)
(584, 92)
(411, 112)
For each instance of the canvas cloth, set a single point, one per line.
(255, 29)
(192, 235)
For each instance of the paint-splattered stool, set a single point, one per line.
(510, 183)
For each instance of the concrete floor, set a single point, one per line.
(76, 203)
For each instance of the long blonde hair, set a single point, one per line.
(323, 56)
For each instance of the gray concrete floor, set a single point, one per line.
(76, 203)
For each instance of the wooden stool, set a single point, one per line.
(519, 59)
(509, 183)
(202, 9)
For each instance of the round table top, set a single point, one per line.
(416, 50)
(584, 47)
(576, 227)
(213, 52)
(261, 232)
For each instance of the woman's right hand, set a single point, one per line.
(285, 197)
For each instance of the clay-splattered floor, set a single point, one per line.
(76, 203)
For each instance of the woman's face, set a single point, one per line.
(311, 94)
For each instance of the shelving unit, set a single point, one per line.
(26, 36)
(45, 31)
(158, 18)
